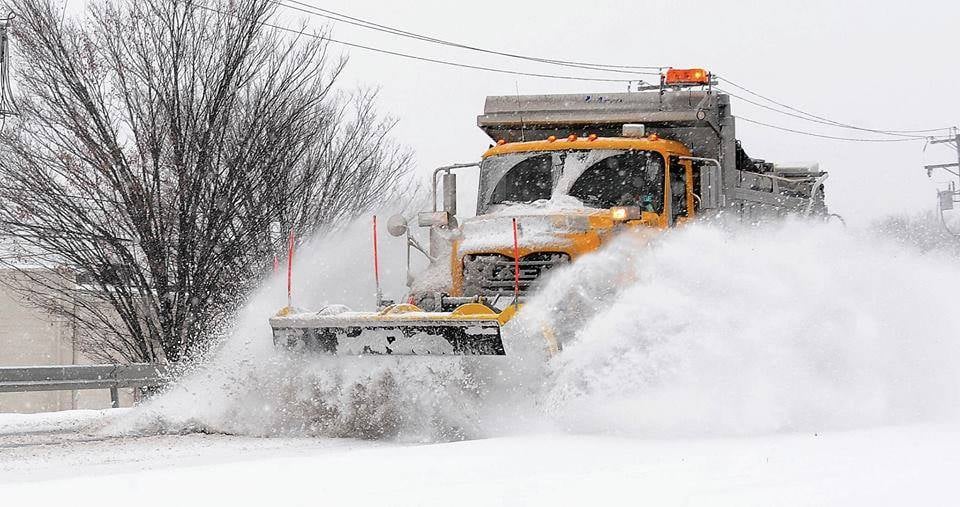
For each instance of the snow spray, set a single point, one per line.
(248, 387)
(786, 327)
(793, 326)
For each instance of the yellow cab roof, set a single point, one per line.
(599, 143)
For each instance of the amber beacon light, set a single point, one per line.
(687, 76)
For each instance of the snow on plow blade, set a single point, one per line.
(472, 329)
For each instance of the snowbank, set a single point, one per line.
(66, 420)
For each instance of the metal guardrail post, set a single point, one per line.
(114, 397)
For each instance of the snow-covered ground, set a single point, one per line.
(72, 465)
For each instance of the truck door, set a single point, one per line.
(679, 190)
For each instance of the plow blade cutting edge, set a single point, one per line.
(471, 329)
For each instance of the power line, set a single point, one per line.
(904, 134)
(456, 64)
(421, 58)
(340, 17)
(822, 122)
(821, 119)
(824, 136)
(344, 18)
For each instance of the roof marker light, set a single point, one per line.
(572, 137)
(686, 76)
(592, 137)
(551, 139)
(501, 142)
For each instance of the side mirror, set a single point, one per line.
(397, 225)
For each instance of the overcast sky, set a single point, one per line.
(881, 64)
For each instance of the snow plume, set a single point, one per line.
(248, 387)
(704, 330)
(794, 326)
(282, 395)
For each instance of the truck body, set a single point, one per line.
(563, 176)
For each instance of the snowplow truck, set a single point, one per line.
(564, 174)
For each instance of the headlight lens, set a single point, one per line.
(624, 213)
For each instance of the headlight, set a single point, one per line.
(624, 213)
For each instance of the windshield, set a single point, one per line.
(634, 178)
(596, 178)
(527, 181)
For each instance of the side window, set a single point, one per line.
(634, 178)
(696, 187)
(678, 187)
(528, 181)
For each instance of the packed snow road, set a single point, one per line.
(62, 459)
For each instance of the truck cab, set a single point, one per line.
(568, 197)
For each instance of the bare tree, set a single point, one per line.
(158, 141)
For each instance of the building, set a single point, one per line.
(33, 337)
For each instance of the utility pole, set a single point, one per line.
(7, 106)
(951, 195)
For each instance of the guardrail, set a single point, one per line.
(82, 376)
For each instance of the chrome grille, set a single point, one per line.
(493, 274)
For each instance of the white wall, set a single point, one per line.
(32, 337)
